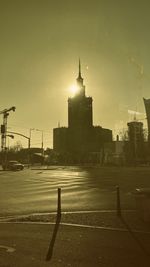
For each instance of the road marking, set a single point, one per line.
(8, 249)
(106, 228)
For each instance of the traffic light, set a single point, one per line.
(11, 135)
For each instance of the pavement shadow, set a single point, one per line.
(136, 239)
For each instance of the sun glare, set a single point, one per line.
(73, 89)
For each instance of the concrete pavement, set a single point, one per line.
(25, 244)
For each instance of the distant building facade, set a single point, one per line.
(80, 136)
(136, 138)
(147, 108)
(114, 153)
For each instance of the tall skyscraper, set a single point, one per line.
(80, 136)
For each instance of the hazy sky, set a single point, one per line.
(40, 44)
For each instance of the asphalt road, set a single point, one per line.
(78, 242)
(35, 191)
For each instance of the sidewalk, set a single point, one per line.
(76, 245)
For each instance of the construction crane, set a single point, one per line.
(5, 114)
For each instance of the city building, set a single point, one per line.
(80, 137)
(136, 139)
(147, 108)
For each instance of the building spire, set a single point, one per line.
(79, 75)
(80, 82)
(79, 69)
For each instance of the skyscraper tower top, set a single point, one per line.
(80, 113)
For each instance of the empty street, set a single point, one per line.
(35, 191)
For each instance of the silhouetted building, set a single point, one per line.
(147, 108)
(136, 139)
(60, 139)
(80, 136)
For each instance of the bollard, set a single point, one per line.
(58, 218)
(59, 203)
(118, 201)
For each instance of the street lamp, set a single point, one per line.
(30, 130)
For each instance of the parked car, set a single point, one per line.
(13, 165)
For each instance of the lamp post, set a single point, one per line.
(30, 130)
